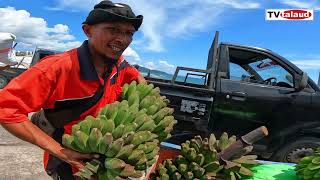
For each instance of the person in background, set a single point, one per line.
(65, 88)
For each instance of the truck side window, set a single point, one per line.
(237, 72)
(255, 67)
(270, 71)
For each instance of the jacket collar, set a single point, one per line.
(87, 69)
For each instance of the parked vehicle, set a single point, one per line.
(242, 88)
(8, 74)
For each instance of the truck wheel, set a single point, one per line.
(3, 81)
(296, 150)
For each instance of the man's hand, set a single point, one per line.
(75, 158)
(141, 79)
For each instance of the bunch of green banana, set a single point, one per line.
(147, 98)
(309, 167)
(127, 133)
(199, 160)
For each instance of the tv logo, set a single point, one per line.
(289, 14)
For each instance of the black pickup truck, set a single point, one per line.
(242, 88)
(8, 74)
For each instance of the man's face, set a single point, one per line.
(110, 39)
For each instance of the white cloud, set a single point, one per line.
(166, 65)
(54, 8)
(175, 18)
(308, 64)
(131, 55)
(312, 67)
(302, 4)
(160, 65)
(150, 65)
(75, 5)
(33, 31)
(59, 28)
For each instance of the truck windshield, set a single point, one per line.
(259, 68)
(268, 68)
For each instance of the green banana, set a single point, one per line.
(134, 98)
(141, 137)
(85, 126)
(124, 91)
(161, 169)
(108, 126)
(131, 89)
(104, 143)
(199, 159)
(130, 127)
(146, 89)
(139, 120)
(152, 109)
(183, 168)
(176, 176)
(147, 102)
(94, 139)
(172, 169)
(128, 137)
(189, 176)
(155, 92)
(112, 110)
(74, 129)
(153, 153)
(147, 126)
(80, 140)
(181, 160)
(166, 111)
(118, 131)
(151, 162)
(127, 171)
(212, 142)
(150, 146)
(114, 148)
(135, 156)
(122, 115)
(97, 123)
(164, 123)
(67, 140)
(125, 151)
(223, 141)
(114, 163)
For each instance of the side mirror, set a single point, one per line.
(301, 81)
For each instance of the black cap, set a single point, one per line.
(107, 11)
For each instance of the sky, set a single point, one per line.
(174, 32)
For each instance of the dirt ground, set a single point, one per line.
(20, 160)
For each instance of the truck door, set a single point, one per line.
(256, 88)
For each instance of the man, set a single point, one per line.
(72, 85)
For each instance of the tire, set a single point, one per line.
(296, 150)
(3, 81)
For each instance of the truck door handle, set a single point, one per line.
(239, 96)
